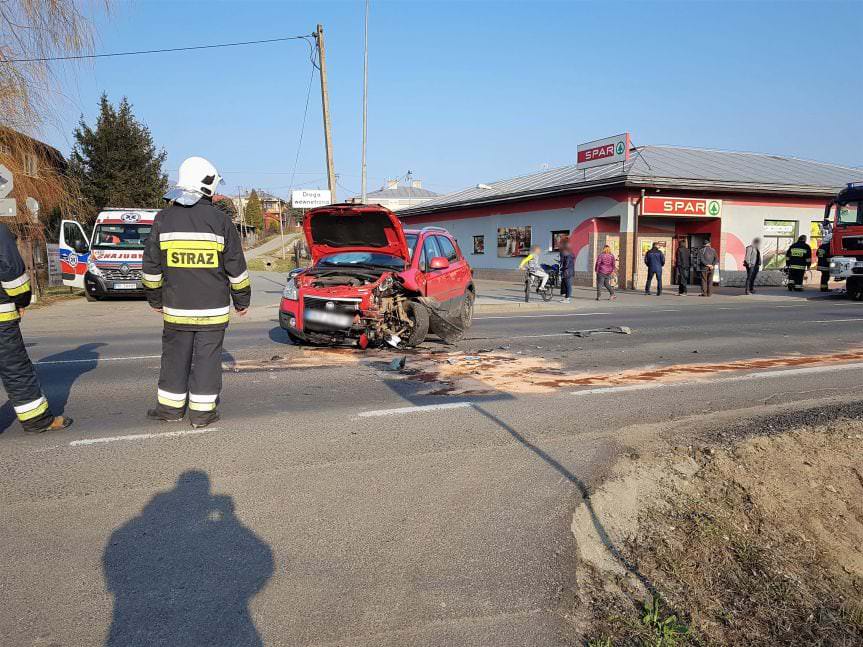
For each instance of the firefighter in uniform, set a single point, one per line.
(193, 268)
(798, 259)
(823, 255)
(19, 376)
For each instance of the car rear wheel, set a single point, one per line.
(419, 317)
(467, 309)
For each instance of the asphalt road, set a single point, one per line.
(341, 503)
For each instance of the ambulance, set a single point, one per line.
(108, 262)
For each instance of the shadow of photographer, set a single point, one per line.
(184, 571)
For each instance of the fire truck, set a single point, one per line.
(845, 216)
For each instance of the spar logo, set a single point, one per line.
(682, 206)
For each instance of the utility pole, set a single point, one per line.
(365, 101)
(240, 214)
(325, 101)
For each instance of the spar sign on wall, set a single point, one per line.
(665, 206)
(603, 151)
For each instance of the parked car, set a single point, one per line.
(373, 282)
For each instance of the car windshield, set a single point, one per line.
(412, 242)
(121, 236)
(347, 259)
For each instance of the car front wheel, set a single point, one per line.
(419, 317)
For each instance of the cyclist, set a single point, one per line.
(534, 267)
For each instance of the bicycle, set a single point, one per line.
(531, 283)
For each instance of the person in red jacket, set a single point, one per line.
(605, 266)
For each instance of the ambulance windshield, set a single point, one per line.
(126, 236)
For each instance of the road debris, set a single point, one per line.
(621, 330)
(398, 364)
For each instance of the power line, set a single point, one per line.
(153, 51)
(315, 66)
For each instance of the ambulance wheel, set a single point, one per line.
(92, 297)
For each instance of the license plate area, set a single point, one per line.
(329, 319)
(125, 286)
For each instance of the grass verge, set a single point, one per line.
(761, 545)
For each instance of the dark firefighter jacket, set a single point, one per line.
(823, 255)
(14, 281)
(798, 256)
(194, 266)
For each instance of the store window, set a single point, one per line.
(558, 238)
(777, 238)
(513, 241)
(479, 244)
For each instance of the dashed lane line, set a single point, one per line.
(567, 314)
(94, 359)
(421, 409)
(113, 439)
(794, 372)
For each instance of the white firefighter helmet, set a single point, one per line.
(197, 177)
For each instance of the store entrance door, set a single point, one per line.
(644, 245)
(695, 243)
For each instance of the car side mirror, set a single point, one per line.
(439, 263)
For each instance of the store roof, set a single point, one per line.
(402, 192)
(666, 167)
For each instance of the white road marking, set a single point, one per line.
(423, 409)
(670, 310)
(618, 389)
(795, 305)
(833, 320)
(95, 359)
(793, 372)
(568, 314)
(114, 439)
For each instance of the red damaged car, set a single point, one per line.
(372, 282)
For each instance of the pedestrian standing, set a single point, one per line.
(823, 255)
(752, 263)
(193, 268)
(798, 259)
(707, 261)
(16, 370)
(605, 266)
(567, 271)
(655, 261)
(684, 264)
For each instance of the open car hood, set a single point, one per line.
(354, 228)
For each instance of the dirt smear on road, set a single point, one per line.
(458, 374)
(760, 543)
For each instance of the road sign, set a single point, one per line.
(6, 182)
(8, 208)
(603, 151)
(33, 207)
(310, 198)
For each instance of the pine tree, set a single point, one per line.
(117, 164)
(253, 213)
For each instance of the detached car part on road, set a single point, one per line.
(372, 282)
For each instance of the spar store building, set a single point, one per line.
(630, 197)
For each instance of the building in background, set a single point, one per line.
(395, 196)
(39, 172)
(655, 194)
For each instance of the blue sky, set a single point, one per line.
(478, 90)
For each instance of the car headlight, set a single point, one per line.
(91, 267)
(290, 291)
